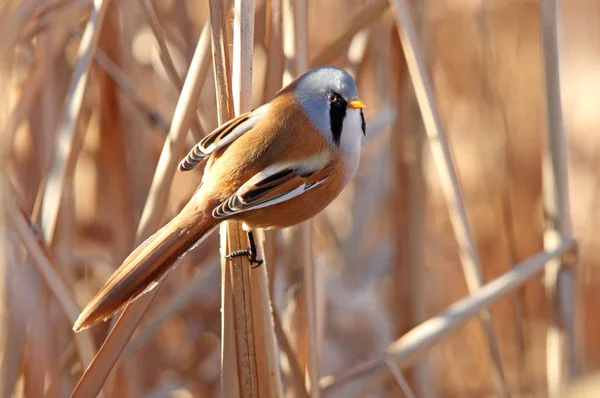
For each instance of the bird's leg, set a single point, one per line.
(250, 252)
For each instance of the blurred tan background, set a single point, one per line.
(385, 249)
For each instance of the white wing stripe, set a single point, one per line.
(253, 118)
(310, 165)
(290, 195)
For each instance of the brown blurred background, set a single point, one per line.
(385, 250)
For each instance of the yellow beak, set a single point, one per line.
(356, 104)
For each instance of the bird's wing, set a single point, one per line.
(223, 135)
(273, 185)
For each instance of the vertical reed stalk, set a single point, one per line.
(442, 157)
(295, 49)
(230, 377)
(261, 321)
(167, 61)
(561, 361)
(408, 201)
(68, 123)
(95, 375)
(9, 250)
(275, 58)
(249, 359)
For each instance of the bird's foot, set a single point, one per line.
(254, 261)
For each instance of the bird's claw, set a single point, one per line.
(251, 256)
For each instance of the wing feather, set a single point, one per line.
(222, 136)
(268, 188)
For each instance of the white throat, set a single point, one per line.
(351, 142)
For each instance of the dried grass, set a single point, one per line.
(367, 299)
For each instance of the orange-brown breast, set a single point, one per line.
(284, 135)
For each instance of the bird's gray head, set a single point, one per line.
(329, 97)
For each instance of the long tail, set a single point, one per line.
(145, 267)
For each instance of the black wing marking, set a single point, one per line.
(200, 151)
(266, 190)
(221, 136)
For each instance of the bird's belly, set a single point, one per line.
(292, 211)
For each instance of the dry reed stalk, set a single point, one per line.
(297, 375)
(313, 306)
(356, 57)
(164, 53)
(272, 254)
(95, 375)
(12, 329)
(239, 274)
(58, 171)
(230, 383)
(15, 336)
(31, 303)
(562, 364)
(509, 217)
(41, 258)
(230, 373)
(35, 354)
(230, 377)
(442, 158)
(31, 89)
(300, 10)
(31, 309)
(36, 358)
(370, 12)
(243, 52)
(14, 21)
(411, 145)
(114, 202)
(42, 343)
(51, 6)
(312, 281)
(128, 89)
(172, 307)
(50, 18)
(9, 250)
(275, 59)
(48, 106)
(114, 193)
(289, 40)
(248, 341)
(167, 61)
(412, 345)
(400, 380)
(269, 378)
(408, 205)
(295, 50)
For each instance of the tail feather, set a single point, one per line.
(147, 265)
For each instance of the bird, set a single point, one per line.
(273, 167)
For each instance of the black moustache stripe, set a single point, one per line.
(363, 124)
(337, 113)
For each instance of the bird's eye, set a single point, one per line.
(332, 98)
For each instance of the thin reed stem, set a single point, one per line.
(442, 158)
(369, 14)
(412, 345)
(562, 364)
(95, 375)
(68, 124)
(167, 61)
